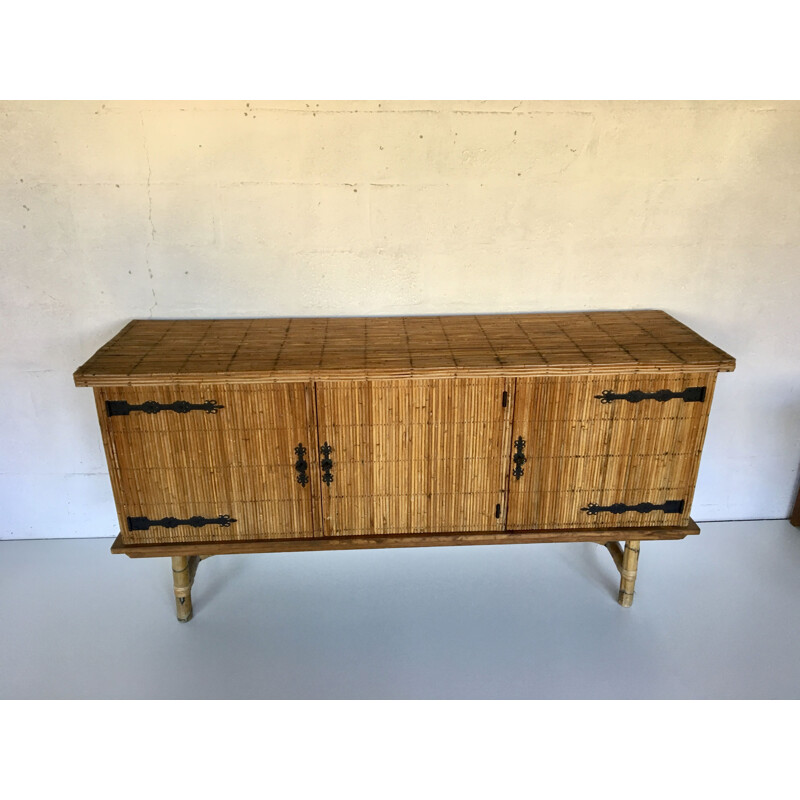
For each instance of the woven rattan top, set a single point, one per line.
(302, 348)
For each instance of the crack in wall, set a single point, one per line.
(149, 217)
(149, 178)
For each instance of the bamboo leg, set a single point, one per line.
(630, 563)
(183, 570)
(616, 553)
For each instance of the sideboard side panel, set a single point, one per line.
(696, 442)
(109, 445)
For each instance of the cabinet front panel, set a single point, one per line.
(239, 461)
(413, 456)
(593, 442)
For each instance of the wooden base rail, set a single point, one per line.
(598, 535)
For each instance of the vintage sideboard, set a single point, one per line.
(270, 435)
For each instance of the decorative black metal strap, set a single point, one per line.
(144, 523)
(121, 408)
(326, 464)
(519, 458)
(301, 465)
(694, 394)
(670, 507)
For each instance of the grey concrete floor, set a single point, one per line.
(715, 616)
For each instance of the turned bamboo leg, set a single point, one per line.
(627, 562)
(183, 569)
(616, 553)
(627, 571)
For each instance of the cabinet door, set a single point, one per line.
(179, 472)
(597, 446)
(414, 456)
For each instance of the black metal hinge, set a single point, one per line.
(121, 408)
(694, 394)
(670, 507)
(145, 523)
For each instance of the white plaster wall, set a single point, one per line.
(118, 210)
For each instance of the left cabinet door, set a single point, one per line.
(205, 462)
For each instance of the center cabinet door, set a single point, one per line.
(414, 456)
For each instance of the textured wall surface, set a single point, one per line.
(118, 210)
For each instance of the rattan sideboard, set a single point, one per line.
(270, 435)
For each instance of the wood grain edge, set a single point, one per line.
(426, 540)
(295, 376)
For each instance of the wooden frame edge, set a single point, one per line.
(83, 379)
(406, 540)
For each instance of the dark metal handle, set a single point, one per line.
(145, 523)
(326, 464)
(670, 507)
(519, 458)
(121, 408)
(301, 465)
(694, 394)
